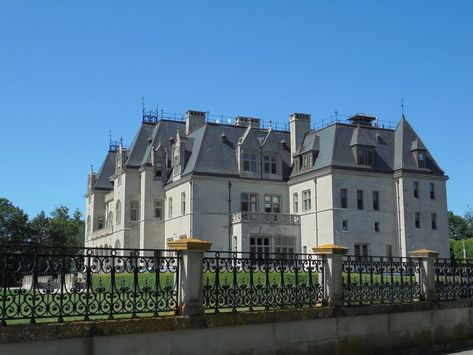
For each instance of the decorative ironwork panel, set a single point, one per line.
(83, 283)
(371, 280)
(252, 281)
(453, 279)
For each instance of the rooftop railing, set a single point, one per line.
(156, 116)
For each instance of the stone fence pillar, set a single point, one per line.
(333, 276)
(426, 279)
(190, 302)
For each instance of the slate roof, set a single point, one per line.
(106, 170)
(207, 153)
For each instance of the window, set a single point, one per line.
(376, 227)
(432, 191)
(343, 198)
(134, 211)
(183, 203)
(416, 189)
(110, 218)
(270, 165)
(364, 156)
(118, 211)
(100, 224)
(433, 220)
(272, 203)
(359, 199)
(170, 207)
(361, 250)
(284, 245)
(307, 160)
(417, 219)
(376, 200)
(249, 162)
(389, 250)
(297, 163)
(295, 202)
(158, 209)
(249, 202)
(345, 225)
(260, 247)
(306, 200)
(158, 173)
(421, 160)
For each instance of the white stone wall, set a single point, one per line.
(425, 237)
(316, 223)
(178, 224)
(361, 222)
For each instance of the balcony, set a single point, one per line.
(266, 218)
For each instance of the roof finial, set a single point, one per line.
(143, 104)
(91, 169)
(402, 107)
(110, 137)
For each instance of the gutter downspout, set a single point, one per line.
(191, 231)
(316, 214)
(229, 216)
(399, 218)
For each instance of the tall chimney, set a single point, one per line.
(194, 120)
(299, 126)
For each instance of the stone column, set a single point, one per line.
(333, 277)
(426, 278)
(190, 286)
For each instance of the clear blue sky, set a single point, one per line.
(70, 71)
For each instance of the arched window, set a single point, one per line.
(110, 218)
(117, 244)
(118, 211)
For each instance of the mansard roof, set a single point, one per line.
(392, 148)
(213, 148)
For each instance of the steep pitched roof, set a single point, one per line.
(106, 170)
(406, 141)
(139, 145)
(359, 137)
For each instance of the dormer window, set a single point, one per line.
(158, 173)
(270, 164)
(421, 159)
(365, 156)
(307, 160)
(249, 162)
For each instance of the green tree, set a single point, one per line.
(14, 228)
(64, 230)
(458, 227)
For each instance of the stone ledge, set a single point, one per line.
(85, 329)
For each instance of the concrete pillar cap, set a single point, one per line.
(193, 244)
(424, 253)
(330, 249)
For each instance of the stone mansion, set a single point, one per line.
(377, 191)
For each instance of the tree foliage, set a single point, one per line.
(460, 227)
(60, 229)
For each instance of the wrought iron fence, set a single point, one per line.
(371, 280)
(86, 283)
(453, 279)
(251, 281)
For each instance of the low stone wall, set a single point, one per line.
(353, 330)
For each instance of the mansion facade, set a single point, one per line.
(374, 190)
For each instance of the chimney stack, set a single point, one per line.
(246, 121)
(194, 120)
(299, 126)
